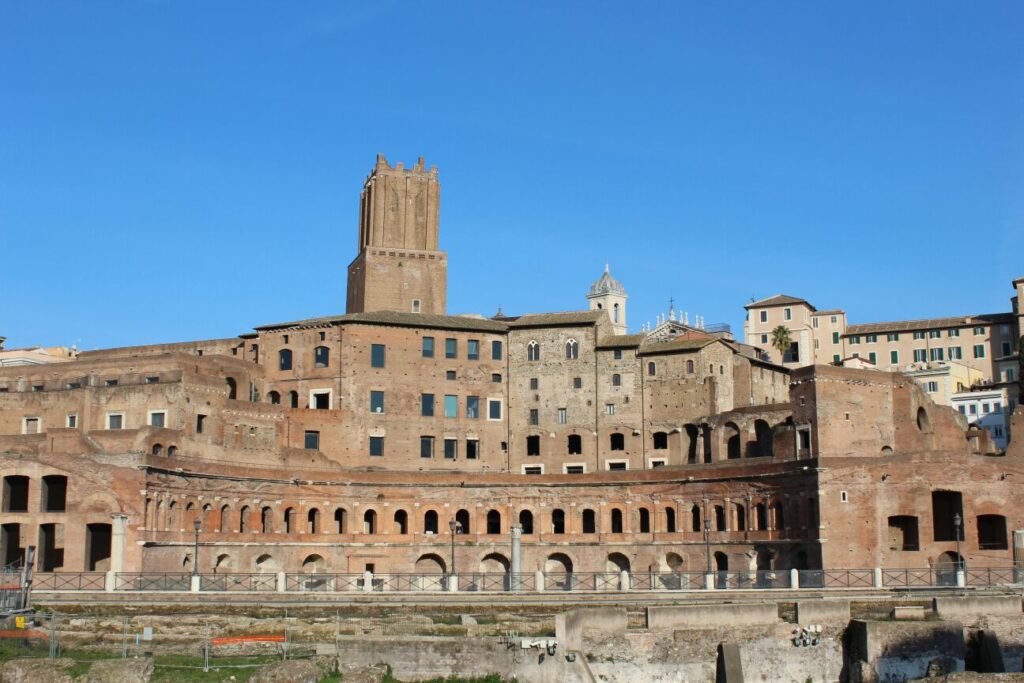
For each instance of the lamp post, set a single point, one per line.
(707, 542)
(455, 527)
(957, 520)
(197, 524)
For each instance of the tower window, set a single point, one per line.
(533, 351)
(572, 349)
(415, 305)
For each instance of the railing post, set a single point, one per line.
(878, 577)
(961, 578)
(624, 581)
(367, 582)
(282, 582)
(709, 581)
(538, 581)
(110, 582)
(794, 578)
(453, 583)
(193, 584)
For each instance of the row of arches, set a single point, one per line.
(721, 516)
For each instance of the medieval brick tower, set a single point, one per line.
(399, 266)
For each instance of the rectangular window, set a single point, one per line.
(376, 401)
(919, 335)
(871, 339)
(979, 350)
(617, 354)
(72, 421)
(935, 334)
(764, 316)
(836, 359)
(920, 355)
(149, 380)
(933, 387)
(320, 400)
(936, 354)
(979, 330)
(428, 347)
(533, 469)
(855, 339)
(563, 416)
(376, 446)
(764, 338)
(451, 449)
(787, 314)
(872, 357)
(311, 440)
(200, 423)
(115, 420)
(953, 333)
(577, 382)
(451, 405)
(426, 447)
(30, 425)
(451, 348)
(973, 409)
(534, 383)
(473, 407)
(816, 345)
(1006, 348)
(377, 352)
(955, 353)
(534, 416)
(616, 464)
(157, 419)
(574, 469)
(110, 382)
(894, 357)
(496, 350)
(472, 449)
(494, 409)
(835, 337)
(496, 378)
(815, 322)
(473, 349)
(450, 375)
(892, 336)
(427, 405)
(609, 409)
(832, 319)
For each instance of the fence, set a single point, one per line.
(573, 582)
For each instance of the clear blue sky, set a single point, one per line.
(179, 170)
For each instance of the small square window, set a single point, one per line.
(110, 382)
(534, 416)
(376, 446)
(152, 380)
(426, 447)
(496, 378)
(157, 419)
(617, 354)
(472, 449)
(311, 440)
(534, 383)
(449, 375)
(72, 422)
(764, 316)
(115, 421)
(451, 449)
(563, 416)
(577, 382)
(493, 409)
(609, 409)
(416, 305)
(533, 469)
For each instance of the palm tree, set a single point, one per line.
(781, 340)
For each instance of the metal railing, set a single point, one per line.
(582, 582)
(77, 581)
(253, 583)
(152, 581)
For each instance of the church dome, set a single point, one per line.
(606, 284)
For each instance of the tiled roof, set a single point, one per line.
(929, 323)
(831, 311)
(400, 319)
(621, 341)
(677, 345)
(557, 319)
(777, 300)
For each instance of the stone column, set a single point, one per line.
(118, 528)
(516, 569)
(1018, 555)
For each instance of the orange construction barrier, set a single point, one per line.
(22, 633)
(229, 640)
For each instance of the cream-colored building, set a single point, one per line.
(817, 336)
(943, 379)
(35, 355)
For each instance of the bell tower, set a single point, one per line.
(609, 295)
(399, 266)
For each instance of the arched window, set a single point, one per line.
(243, 519)
(232, 388)
(589, 522)
(689, 367)
(462, 518)
(526, 521)
(289, 520)
(274, 397)
(575, 444)
(222, 523)
(370, 522)
(313, 521)
(652, 368)
(341, 520)
(719, 518)
(761, 516)
(645, 521)
(618, 442)
(695, 518)
(493, 522)
(284, 359)
(430, 522)
(266, 520)
(741, 517)
(660, 441)
(572, 349)
(321, 357)
(293, 399)
(616, 380)
(157, 449)
(616, 521)
(171, 451)
(401, 522)
(780, 517)
(670, 520)
(558, 521)
(533, 351)
(615, 313)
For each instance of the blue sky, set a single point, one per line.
(179, 170)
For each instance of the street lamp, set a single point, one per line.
(455, 528)
(707, 542)
(197, 524)
(957, 520)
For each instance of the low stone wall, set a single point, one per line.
(977, 606)
(899, 650)
(711, 616)
(570, 626)
(822, 611)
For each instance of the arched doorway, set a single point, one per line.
(314, 564)
(946, 566)
(617, 562)
(558, 572)
(721, 570)
(431, 564)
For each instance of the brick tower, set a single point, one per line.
(399, 267)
